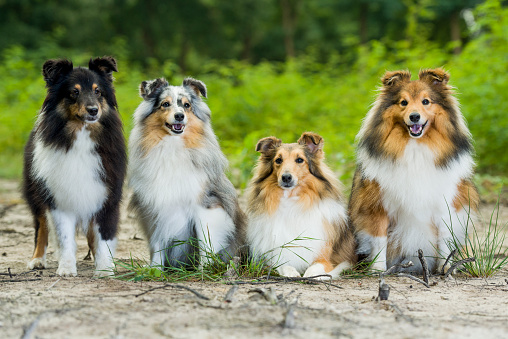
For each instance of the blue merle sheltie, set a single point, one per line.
(75, 163)
(413, 183)
(297, 216)
(180, 190)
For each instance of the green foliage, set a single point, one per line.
(486, 247)
(284, 99)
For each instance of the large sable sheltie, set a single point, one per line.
(414, 167)
(297, 218)
(177, 174)
(75, 163)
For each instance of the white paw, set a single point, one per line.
(378, 266)
(288, 271)
(67, 269)
(37, 263)
(103, 273)
(314, 270)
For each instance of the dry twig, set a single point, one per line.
(229, 295)
(412, 277)
(425, 268)
(452, 253)
(196, 293)
(460, 262)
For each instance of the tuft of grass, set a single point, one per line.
(210, 267)
(486, 247)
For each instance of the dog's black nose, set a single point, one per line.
(414, 117)
(179, 116)
(286, 178)
(92, 111)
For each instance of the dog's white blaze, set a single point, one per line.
(267, 233)
(73, 176)
(417, 194)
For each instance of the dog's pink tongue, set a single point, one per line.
(177, 126)
(416, 128)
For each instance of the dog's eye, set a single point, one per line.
(299, 160)
(403, 103)
(425, 101)
(165, 104)
(75, 92)
(97, 92)
(186, 105)
(278, 161)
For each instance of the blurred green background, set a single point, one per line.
(271, 67)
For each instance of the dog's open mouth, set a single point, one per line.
(176, 128)
(416, 130)
(91, 119)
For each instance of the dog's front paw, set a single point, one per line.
(315, 270)
(67, 269)
(36, 263)
(103, 273)
(378, 266)
(288, 271)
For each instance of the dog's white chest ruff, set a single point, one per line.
(416, 194)
(73, 177)
(166, 178)
(292, 236)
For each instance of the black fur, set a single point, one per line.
(53, 130)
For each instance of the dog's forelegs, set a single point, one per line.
(65, 225)
(41, 242)
(214, 229)
(105, 230)
(103, 251)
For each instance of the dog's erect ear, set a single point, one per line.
(434, 77)
(314, 142)
(268, 144)
(396, 77)
(105, 66)
(148, 89)
(54, 70)
(197, 86)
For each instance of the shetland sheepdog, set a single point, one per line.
(412, 185)
(180, 190)
(297, 217)
(75, 163)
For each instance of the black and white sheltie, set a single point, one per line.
(75, 163)
(180, 190)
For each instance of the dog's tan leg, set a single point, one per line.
(41, 243)
(369, 220)
(90, 237)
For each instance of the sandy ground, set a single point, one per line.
(41, 304)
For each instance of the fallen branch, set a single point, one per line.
(20, 280)
(196, 293)
(289, 319)
(229, 295)
(452, 253)
(412, 277)
(391, 269)
(425, 268)
(460, 262)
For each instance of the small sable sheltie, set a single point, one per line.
(75, 163)
(297, 218)
(180, 190)
(414, 166)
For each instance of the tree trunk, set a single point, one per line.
(455, 31)
(364, 10)
(288, 24)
